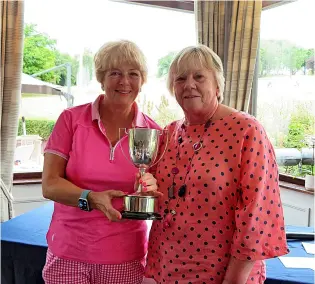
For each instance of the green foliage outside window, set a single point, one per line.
(41, 127)
(164, 64)
(301, 126)
(165, 114)
(278, 56)
(40, 53)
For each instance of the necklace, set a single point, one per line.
(169, 213)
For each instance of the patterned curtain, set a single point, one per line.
(11, 27)
(231, 29)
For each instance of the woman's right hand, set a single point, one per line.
(103, 202)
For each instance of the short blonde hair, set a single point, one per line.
(195, 57)
(113, 54)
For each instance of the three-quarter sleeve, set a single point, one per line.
(260, 232)
(60, 140)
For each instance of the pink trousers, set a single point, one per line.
(62, 271)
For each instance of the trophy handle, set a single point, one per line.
(142, 170)
(166, 144)
(120, 143)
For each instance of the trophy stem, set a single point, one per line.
(142, 172)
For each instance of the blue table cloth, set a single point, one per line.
(29, 228)
(278, 273)
(27, 233)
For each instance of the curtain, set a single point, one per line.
(231, 29)
(11, 27)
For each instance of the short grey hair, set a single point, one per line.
(195, 57)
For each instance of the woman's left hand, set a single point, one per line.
(149, 185)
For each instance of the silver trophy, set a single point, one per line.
(143, 150)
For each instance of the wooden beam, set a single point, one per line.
(181, 5)
(27, 175)
(269, 3)
(188, 6)
(266, 4)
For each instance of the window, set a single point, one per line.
(53, 38)
(286, 93)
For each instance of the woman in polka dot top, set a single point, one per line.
(219, 178)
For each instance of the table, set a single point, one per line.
(24, 247)
(277, 273)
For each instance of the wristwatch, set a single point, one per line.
(83, 203)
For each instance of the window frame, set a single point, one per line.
(184, 6)
(254, 91)
(27, 178)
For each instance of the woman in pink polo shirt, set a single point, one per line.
(85, 173)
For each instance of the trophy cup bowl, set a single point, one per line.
(143, 150)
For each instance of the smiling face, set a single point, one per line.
(196, 91)
(122, 84)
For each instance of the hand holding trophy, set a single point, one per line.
(143, 151)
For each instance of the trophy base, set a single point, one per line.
(140, 215)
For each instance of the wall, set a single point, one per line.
(27, 197)
(298, 207)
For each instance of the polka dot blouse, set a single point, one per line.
(231, 206)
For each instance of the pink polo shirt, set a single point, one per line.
(80, 137)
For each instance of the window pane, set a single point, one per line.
(286, 93)
(74, 38)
